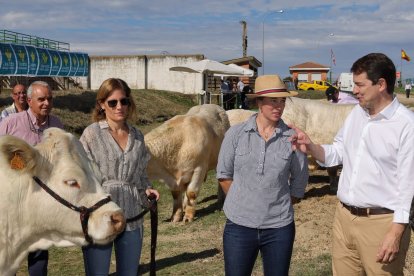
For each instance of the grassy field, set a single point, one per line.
(196, 248)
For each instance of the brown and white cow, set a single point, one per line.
(183, 150)
(32, 219)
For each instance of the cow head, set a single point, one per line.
(36, 220)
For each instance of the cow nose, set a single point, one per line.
(118, 221)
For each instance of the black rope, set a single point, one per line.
(84, 211)
(153, 209)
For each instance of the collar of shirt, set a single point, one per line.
(14, 107)
(251, 125)
(33, 118)
(103, 124)
(386, 113)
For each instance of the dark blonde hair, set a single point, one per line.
(105, 91)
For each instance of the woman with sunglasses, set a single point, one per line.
(119, 151)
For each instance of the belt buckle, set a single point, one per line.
(354, 210)
(360, 212)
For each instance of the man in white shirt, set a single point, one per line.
(376, 147)
(407, 89)
(19, 96)
(240, 85)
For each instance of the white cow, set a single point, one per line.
(30, 218)
(183, 150)
(320, 120)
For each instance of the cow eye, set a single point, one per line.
(72, 183)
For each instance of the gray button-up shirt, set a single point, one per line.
(265, 175)
(124, 173)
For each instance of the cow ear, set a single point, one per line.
(18, 154)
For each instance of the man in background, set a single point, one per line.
(407, 89)
(240, 85)
(29, 125)
(333, 95)
(19, 96)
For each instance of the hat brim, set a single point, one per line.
(274, 94)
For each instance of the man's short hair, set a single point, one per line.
(377, 66)
(41, 83)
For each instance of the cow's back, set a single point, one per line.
(184, 141)
(321, 121)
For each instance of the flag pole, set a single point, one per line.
(401, 69)
(330, 71)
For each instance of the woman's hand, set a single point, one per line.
(154, 192)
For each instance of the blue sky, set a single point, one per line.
(303, 32)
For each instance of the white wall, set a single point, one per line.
(129, 68)
(133, 70)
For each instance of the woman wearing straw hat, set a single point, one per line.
(262, 177)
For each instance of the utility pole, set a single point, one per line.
(244, 37)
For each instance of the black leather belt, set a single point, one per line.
(365, 212)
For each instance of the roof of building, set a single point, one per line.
(250, 59)
(309, 65)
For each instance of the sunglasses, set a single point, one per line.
(20, 94)
(114, 103)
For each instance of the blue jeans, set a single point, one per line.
(241, 246)
(37, 263)
(128, 245)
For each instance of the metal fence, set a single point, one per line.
(24, 39)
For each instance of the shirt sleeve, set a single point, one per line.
(85, 141)
(405, 174)
(225, 163)
(3, 114)
(144, 176)
(299, 174)
(4, 126)
(145, 157)
(334, 152)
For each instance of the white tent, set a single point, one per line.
(246, 72)
(209, 67)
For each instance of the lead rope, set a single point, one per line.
(153, 209)
(154, 234)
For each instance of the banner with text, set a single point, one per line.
(21, 60)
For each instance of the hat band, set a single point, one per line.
(271, 91)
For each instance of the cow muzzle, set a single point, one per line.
(117, 219)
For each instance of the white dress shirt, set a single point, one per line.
(378, 159)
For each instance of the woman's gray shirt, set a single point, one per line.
(124, 174)
(265, 175)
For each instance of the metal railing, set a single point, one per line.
(24, 39)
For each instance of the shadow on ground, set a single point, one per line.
(181, 258)
(319, 192)
(212, 208)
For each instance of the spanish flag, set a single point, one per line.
(404, 55)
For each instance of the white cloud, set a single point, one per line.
(212, 28)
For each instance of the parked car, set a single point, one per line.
(314, 85)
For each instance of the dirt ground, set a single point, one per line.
(314, 217)
(405, 101)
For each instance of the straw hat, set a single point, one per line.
(270, 86)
